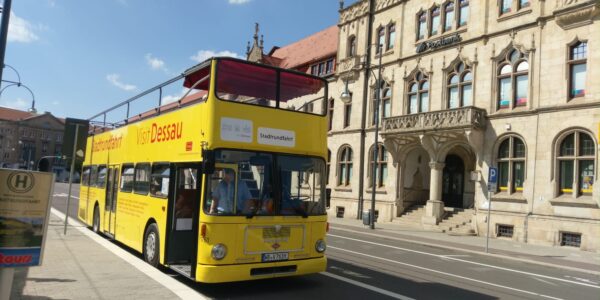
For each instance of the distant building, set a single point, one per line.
(26, 137)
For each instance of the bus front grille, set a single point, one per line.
(273, 270)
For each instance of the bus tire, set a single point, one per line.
(151, 245)
(96, 220)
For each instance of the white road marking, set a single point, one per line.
(582, 279)
(366, 286)
(455, 255)
(444, 273)
(180, 289)
(65, 195)
(467, 261)
(544, 281)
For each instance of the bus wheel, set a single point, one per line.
(151, 245)
(96, 220)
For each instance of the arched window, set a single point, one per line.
(380, 162)
(505, 6)
(435, 20)
(511, 165)
(380, 39)
(330, 113)
(575, 161)
(577, 69)
(460, 86)
(418, 93)
(345, 165)
(351, 46)
(385, 102)
(422, 25)
(448, 16)
(513, 80)
(463, 14)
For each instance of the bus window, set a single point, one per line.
(93, 175)
(302, 189)
(127, 178)
(141, 184)
(85, 176)
(159, 185)
(101, 181)
(302, 93)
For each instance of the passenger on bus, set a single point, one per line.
(183, 206)
(222, 195)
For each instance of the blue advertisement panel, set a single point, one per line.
(24, 208)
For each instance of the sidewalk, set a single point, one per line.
(77, 267)
(562, 257)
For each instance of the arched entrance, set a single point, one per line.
(453, 181)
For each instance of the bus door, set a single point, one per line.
(184, 204)
(112, 185)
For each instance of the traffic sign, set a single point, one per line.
(492, 179)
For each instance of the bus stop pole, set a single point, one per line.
(6, 280)
(71, 172)
(487, 235)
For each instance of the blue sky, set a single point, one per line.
(80, 57)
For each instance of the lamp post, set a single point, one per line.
(345, 97)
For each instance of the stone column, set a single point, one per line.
(434, 209)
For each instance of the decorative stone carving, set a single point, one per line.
(575, 13)
(461, 118)
(354, 11)
(348, 64)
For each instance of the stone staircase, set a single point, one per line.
(456, 221)
(411, 217)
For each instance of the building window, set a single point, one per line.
(577, 69)
(380, 39)
(505, 6)
(511, 165)
(352, 46)
(463, 15)
(385, 102)
(330, 113)
(418, 94)
(524, 3)
(513, 80)
(329, 67)
(44, 147)
(575, 163)
(448, 16)
(460, 86)
(347, 113)
(391, 36)
(323, 68)
(435, 21)
(345, 166)
(422, 25)
(380, 162)
(328, 166)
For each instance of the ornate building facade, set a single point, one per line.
(468, 86)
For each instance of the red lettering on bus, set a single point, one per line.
(163, 133)
(15, 259)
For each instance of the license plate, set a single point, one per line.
(274, 256)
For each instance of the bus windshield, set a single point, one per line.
(252, 183)
(249, 83)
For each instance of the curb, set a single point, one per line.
(503, 256)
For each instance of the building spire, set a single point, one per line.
(255, 53)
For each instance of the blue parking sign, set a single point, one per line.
(493, 176)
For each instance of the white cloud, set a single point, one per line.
(238, 1)
(20, 30)
(203, 55)
(172, 98)
(156, 63)
(114, 79)
(17, 104)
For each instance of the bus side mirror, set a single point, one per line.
(208, 161)
(328, 197)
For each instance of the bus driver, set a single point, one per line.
(222, 195)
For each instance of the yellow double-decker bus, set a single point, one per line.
(226, 184)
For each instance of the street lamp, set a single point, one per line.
(24, 146)
(345, 96)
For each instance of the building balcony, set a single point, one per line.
(444, 120)
(574, 13)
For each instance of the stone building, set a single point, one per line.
(473, 85)
(467, 86)
(26, 137)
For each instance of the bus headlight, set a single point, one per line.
(218, 251)
(320, 246)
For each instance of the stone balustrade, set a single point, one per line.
(451, 119)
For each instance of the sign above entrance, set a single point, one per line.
(439, 43)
